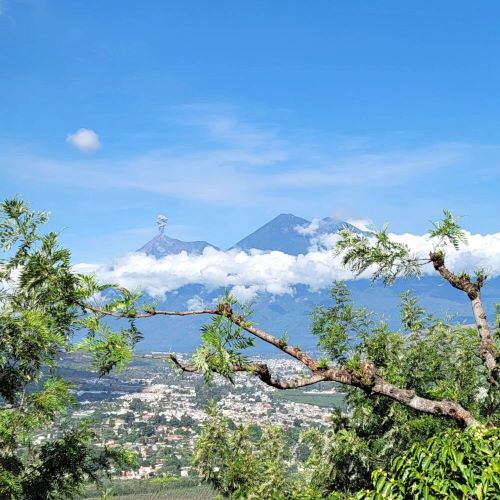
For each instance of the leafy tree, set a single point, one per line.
(433, 358)
(238, 466)
(39, 313)
(453, 464)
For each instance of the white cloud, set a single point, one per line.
(309, 229)
(322, 242)
(224, 124)
(176, 172)
(247, 273)
(84, 139)
(277, 273)
(245, 294)
(482, 251)
(292, 181)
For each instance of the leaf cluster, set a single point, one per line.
(453, 464)
(387, 259)
(378, 253)
(337, 326)
(60, 468)
(238, 466)
(448, 231)
(222, 343)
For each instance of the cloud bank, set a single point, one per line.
(246, 274)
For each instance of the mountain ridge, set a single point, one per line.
(162, 245)
(287, 233)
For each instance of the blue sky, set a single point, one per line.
(224, 114)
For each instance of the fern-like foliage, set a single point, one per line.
(222, 344)
(448, 231)
(339, 326)
(384, 258)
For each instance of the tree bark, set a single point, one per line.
(488, 352)
(487, 349)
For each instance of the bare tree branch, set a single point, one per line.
(261, 370)
(114, 314)
(185, 367)
(295, 352)
(488, 352)
(367, 378)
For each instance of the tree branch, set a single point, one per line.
(461, 282)
(221, 310)
(260, 370)
(114, 314)
(367, 378)
(488, 352)
(295, 352)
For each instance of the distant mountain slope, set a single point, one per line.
(330, 225)
(290, 234)
(286, 232)
(278, 234)
(162, 245)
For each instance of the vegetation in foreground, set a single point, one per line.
(423, 401)
(451, 464)
(152, 489)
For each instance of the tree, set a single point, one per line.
(38, 316)
(391, 260)
(236, 465)
(435, 359)
(453, 464)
